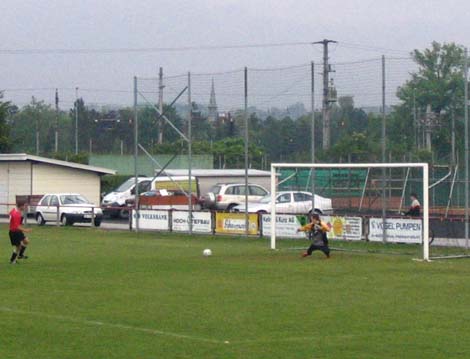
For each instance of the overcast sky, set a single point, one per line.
(392, 27)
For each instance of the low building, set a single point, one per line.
(22, 174)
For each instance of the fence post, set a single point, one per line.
(25, 216)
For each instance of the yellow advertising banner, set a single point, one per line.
(235, 223)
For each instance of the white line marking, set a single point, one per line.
(111, 325)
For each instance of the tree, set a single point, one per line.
(5, 144)
(438, 83)
(439, 79)
(36, 117)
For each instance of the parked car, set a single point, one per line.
(290, 202)
(226, 196)
(71, 207)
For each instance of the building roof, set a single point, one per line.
(218, 173)
(15, 157)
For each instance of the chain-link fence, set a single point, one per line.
(278, 103)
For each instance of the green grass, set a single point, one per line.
(89, 293)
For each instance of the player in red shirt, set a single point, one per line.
(17, 231)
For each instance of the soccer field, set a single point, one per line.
(90, 293)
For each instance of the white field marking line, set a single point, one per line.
(292, 339)
(111, 325)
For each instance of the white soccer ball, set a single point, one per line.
(207, 252)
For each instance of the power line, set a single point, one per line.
(370, 48)
(59, 51)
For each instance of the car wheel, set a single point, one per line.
(124, 213)
(97, 222)
(230, 207)
(65, 221)
(40, 219)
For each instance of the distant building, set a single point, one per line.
(213, 114)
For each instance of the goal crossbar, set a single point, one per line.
(423, 166)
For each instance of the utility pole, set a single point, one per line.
(160, 105)
(76, 120)
(452, 138)
(33, 101)
(56, 147)
(415, 120)
(326, 94)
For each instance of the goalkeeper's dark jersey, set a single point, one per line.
(318, 232)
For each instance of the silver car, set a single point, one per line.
(225, 196)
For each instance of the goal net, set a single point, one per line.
(368, 207)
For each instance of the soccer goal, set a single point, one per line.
(368, 207)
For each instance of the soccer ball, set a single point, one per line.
(206, 252)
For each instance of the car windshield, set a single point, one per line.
(265, 199)
(126, 185)
(73, 199)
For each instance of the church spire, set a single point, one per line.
(213, 114)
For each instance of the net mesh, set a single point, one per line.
(360, 197)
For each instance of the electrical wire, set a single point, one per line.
(62, 51)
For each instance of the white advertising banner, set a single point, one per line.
(149, 219)
(399, 230)
(202, 221)
(344, 228)
(286, 225)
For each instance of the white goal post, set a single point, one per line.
(423, 166)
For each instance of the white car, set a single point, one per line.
(290, 202)
(116, 202)
(69, 207)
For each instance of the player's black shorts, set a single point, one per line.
(16, 237)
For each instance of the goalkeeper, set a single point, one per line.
(317, 231)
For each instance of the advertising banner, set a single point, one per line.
(202, 221)
(399, 230)
(286, 225)
(344, 228)
(149, 219)
(234, 223)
